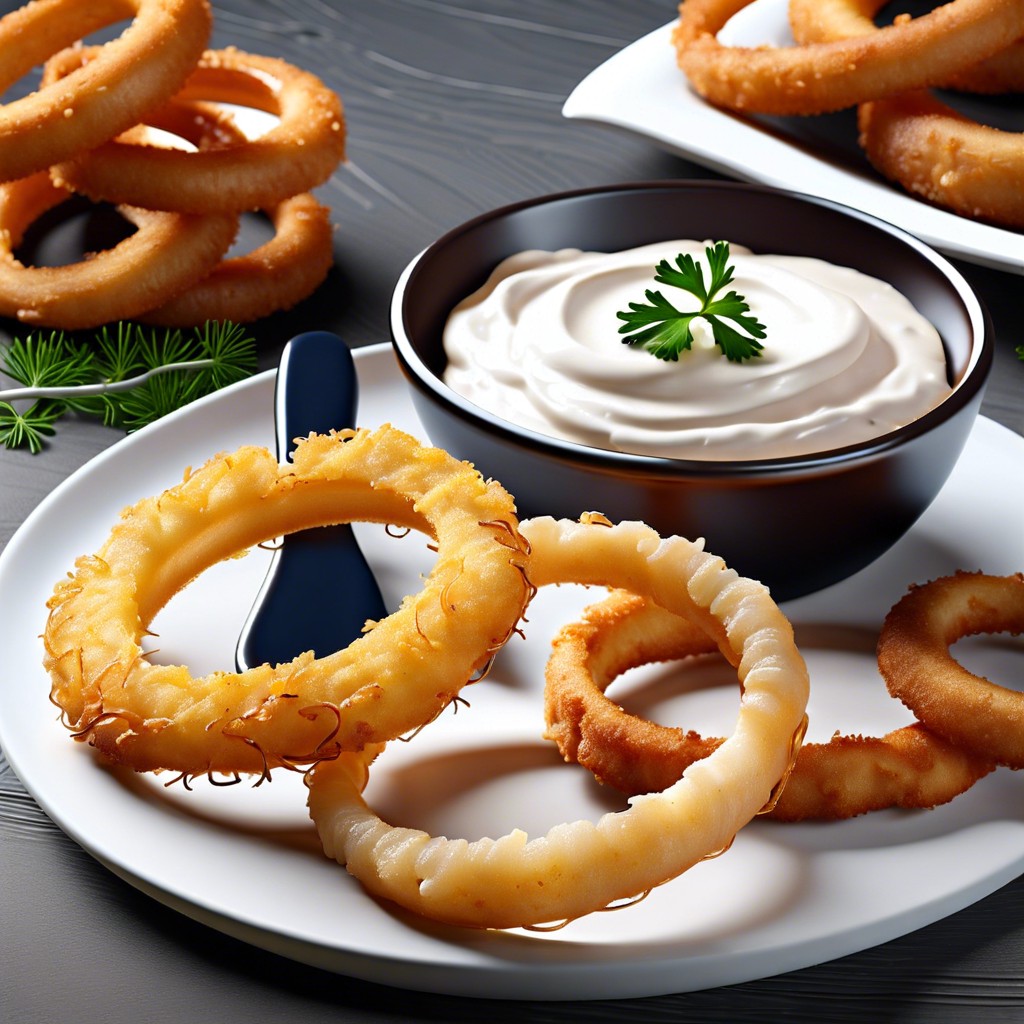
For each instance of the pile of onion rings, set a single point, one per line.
(332, 717)
(90, 130)
(843, 59)
(337, 712)
(911, 767)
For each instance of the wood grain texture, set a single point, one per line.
(453, 108)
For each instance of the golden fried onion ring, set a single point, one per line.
(914, 657)
(1002, 72)
(273, 277)
(630, 753)
(848, 776)
(819, 21)
(584, 866)
(168, 252)
(821, 77)
(398, 675)
(130, 75)
(298, 153)
(945, 157)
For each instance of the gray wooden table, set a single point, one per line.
(453, 108)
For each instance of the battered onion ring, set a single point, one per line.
(271, 278)
(129, 76)
(943, 156)
(300, 152)
(630, 753)
(398, 675)
(168, 252)
(1002, 72)
(914, 657)
(819, 21)
(822, 77)
(848, 776)
(584, 866)
(203, 125)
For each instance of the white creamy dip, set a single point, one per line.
(846, 357)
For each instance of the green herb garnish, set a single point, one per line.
(127, 378)
(665, 331)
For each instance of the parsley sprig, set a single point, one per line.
(127, 377)
(665, 331)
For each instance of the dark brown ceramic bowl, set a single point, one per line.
(798, 524)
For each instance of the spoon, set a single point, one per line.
(319, 590)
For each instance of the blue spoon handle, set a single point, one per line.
(319, 590)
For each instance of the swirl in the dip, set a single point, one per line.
(846, 358)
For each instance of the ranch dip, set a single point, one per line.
(846, 357)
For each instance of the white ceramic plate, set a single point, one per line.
(640, 89)
(246, 860)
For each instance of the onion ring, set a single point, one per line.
(1002, 72)
(848, 776)
(629, 753)
(821, 77)
(584, 866)
(945, 157)
(273, 277)
(129, 76)
(402, 672)
(914, 657)
(168, 252)
(819, 21)
(296, 155)
(203, 125)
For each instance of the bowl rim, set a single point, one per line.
(971, 383)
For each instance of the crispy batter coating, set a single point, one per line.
(272, 277)
(402, 672)
(298, 153)
(819, 21)
(140, 69)
(583, 866)
(168, 253)
(848, 776)
(819, 77)
(914, 657)
(945, 157)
